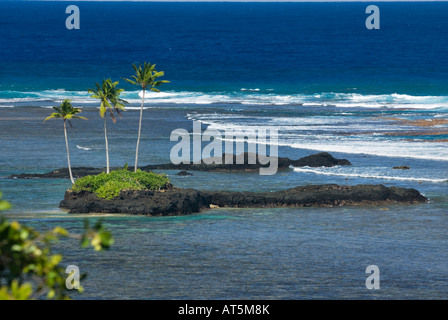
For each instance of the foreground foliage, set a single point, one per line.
(109, 185)
(28, 267)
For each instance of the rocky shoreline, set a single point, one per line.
(322, 159)
(178, 201)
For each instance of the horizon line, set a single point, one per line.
(236, 1)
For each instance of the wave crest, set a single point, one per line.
(366, 175)
(243, 96)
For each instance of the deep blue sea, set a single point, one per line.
(312, 71)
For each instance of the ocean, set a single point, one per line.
(312, 71)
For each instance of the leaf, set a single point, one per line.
(84, 241)
(158, 74)
(15, 225)
(4, 205)
(79, 117)
(51, 294)
(102, 110)
(61, 231)
(16, 248)
(20, 292)
(112, 116)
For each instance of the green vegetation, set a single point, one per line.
(28, 268)
(145, 77)
(109, 96)
(108, 186)
(4, 205)
(66, 112)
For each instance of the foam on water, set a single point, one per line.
(244, 97)
(83, 148)
(373, 175)
(331, 132)
(334, 133)
(395, 149)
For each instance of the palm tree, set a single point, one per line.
(109, 96)
(145, 77)
(66, 112)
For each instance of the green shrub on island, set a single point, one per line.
(109, 185)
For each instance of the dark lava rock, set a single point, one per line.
(402, 167)
(318, 195)
(177, 201)
(77, 172)
(170, 202)
(184, 173)
(322, 159)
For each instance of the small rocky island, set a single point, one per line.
(178, 201)
(164, 199)
(322, 159)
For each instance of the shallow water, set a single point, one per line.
(320, 85)
(300, 253)
(285, 253)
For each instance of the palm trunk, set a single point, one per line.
(139, 131)
(107, 144)
(68, 154)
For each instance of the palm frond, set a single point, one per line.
(58, 109)
(158, 74)
(130, 81)
(54, 115)
(112, 116)
(65, 111)
(145, 76)
(109, 96)
(79, 117)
